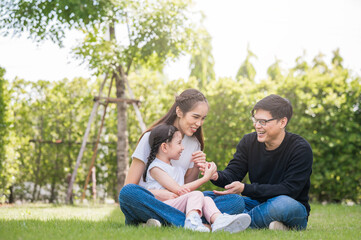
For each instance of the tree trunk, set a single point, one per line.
(54, 177)
(37, 173)
(122, 134)
(11, 196)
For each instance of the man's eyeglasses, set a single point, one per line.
(263, 122)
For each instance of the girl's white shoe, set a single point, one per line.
(231, 223)
(194, 222)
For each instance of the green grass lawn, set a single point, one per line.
(107, 222)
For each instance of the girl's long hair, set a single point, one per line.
(186, 101)
(160, 134)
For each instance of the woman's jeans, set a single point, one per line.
(139, 205)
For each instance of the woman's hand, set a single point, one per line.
(163, 194)
(199, 159)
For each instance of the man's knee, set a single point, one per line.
(210, 194)
(283, 204)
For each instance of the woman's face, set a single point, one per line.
(189, 122)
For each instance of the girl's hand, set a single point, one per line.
(183, 190)
(163, 194)
(210, 169)
(199, 159)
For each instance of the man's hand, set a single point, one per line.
(233, 188)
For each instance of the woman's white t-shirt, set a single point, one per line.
(177, 173)
(190, 144)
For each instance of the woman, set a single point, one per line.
(138, 204)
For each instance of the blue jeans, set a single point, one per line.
(281, 208)
(139, 205)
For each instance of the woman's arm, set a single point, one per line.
(135, 171)
(199, 160)
(191, 174)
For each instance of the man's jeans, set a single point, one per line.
(281, 208)
(139, 205)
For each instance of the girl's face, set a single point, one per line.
(189, 122)
(175, 146)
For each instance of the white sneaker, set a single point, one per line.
(275, 225)
(151, 222)
(194, 222)
(231, 223)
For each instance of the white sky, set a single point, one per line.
(281, 29)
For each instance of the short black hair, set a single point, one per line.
(278, 106)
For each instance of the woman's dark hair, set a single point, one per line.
(160, 134)
(278, 106)
(186, 101)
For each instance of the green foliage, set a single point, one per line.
(48, 121)
(274, 71)
(150, 31)
(5, 178)
(202, 61)
(49, 19)
(247, 70)
(326, 105)
(156, 31)
(326, 101)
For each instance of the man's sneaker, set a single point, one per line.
(194, 222)
(151, 222)
(275, 225)
(231, 223)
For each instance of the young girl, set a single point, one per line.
(166, 144)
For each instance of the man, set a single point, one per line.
(279, 164)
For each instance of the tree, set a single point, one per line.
(202, 61)
(247, 70)
(4, 174)
(157, 30)
(274, 71)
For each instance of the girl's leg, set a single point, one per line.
(188, 203)
(192, 204)
(210, 210)
(139, 205)
(230, 203)
(224, 222)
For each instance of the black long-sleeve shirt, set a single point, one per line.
(283, 171)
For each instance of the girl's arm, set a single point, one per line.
(135, 172)
(209, 170)
(170, 184)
